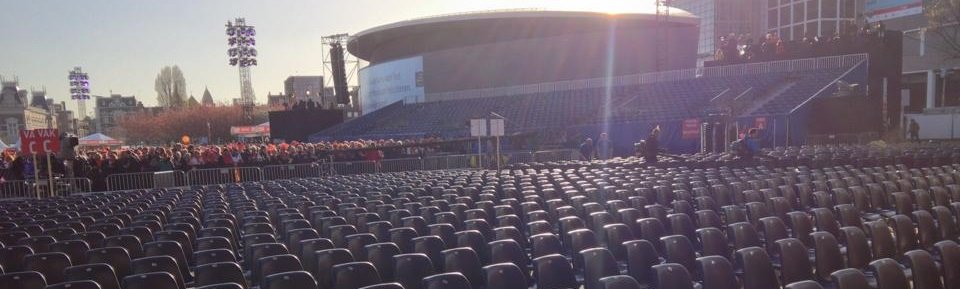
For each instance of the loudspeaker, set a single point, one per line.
(338, 65)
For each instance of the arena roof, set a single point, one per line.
(497, 25)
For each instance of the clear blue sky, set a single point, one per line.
(123, 44)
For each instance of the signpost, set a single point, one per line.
(46, 141)
(497, 130)
(478, 128)
(481, 127)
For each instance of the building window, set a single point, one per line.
(772, 18)
(813, 11)
(772, 3)
(798, 13)
(785, 16)
(828, 28)
(829, 9)
(13, 126)
(849, 9)
(798, 32)
(810, 28)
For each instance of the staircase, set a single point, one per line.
(758, 101)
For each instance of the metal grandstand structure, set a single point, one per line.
(351, 62)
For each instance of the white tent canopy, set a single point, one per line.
(99, 139)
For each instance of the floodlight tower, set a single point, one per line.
(241, 40)
(663, 24)
(80, 90)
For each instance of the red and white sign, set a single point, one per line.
(38, 141)
(691, 129)
(760, 122)
(248, 131)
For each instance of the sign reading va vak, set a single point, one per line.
(38, 141)
(389, 82)
(878, 10)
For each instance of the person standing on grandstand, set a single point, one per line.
(652, 146)
(587, 150)
(603, 147)
(750, 145)
(914, 130)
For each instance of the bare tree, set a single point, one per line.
(943, 17)
(171, 87)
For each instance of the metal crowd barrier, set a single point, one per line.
(461, 162)
(401, 165)
(518, 157)
(167, 179)
(353, 168)
(146, 180)
(280, 172)
(223, 176)
(33, 189)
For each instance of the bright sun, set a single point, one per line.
(602, 6)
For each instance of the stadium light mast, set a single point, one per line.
(663, 22)
(241, 38)
(80, 90)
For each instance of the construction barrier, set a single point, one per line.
(147, 180)
(223, 176)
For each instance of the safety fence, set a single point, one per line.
(147, 180)
(224, 176)
(466, 161)
(281, 172)
(44, 188)
(168, 179)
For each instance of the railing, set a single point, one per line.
(466, 161)
(223, 176)
(42, 189)
(792, 65)
(353, 168)
(148, 180)
(280, 172)
(842, 138)
(167, 179)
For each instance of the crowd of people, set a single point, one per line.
(304, 105)
(97, 163)
(733, 48)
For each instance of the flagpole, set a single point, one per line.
(36, 175)
(53, 191)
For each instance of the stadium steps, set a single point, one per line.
(771, 94)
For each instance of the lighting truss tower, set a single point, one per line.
(80, 90)
(662, 31)
(242, 54)
(351, 63)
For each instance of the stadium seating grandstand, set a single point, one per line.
(656, 102)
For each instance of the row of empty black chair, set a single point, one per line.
(600, 225)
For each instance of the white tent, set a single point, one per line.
(99, 139)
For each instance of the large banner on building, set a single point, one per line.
(389, 82)
(878, 10)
